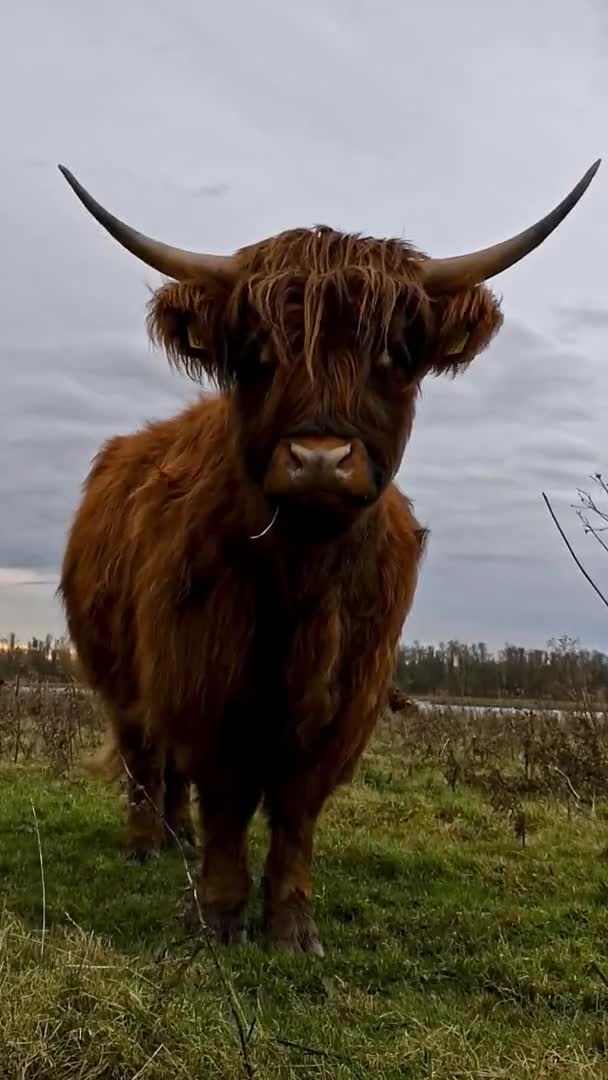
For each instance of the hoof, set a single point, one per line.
(226, 928)
(293, 929)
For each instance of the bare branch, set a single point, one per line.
(574, 556)
(589, 528)
(590, 504)
(592, 517)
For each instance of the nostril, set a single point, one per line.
(339, 453)
(299, 455)
(302, 457)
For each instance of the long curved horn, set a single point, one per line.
(171, 261)
(465, 271)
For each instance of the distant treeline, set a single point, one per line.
(452, 670)
(46, 658)
(456, 670)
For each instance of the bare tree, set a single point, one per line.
(594, 517)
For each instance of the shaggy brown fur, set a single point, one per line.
(259, 667)
(107, 763)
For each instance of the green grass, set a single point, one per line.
(453, 950)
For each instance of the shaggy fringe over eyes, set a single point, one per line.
(303, 280)
(300, 285)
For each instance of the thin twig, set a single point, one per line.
(315, 1051)
(42, 879)
(574, 556)
(589, 528)
(595, 530)
(235, 1005)
(568, 781)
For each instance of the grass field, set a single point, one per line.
(462, 896)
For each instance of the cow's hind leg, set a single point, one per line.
(144, 762)
(227, 802)
(178, 815)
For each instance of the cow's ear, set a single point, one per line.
(185, 319)
(465, 324)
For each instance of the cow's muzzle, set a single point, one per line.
(320, 468)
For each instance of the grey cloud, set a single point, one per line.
(214, 128)
(37, 163)
(574, 320)
(66, 402)
(500, 558)
(210, 191)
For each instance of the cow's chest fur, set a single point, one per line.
(314, 633)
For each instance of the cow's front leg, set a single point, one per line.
(287, 882)
(227, 803)
(293, 805)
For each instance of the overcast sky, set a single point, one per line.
(450, 124)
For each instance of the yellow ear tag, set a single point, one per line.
(193, 341)
(458, 345)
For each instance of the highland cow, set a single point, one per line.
(237, 577)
